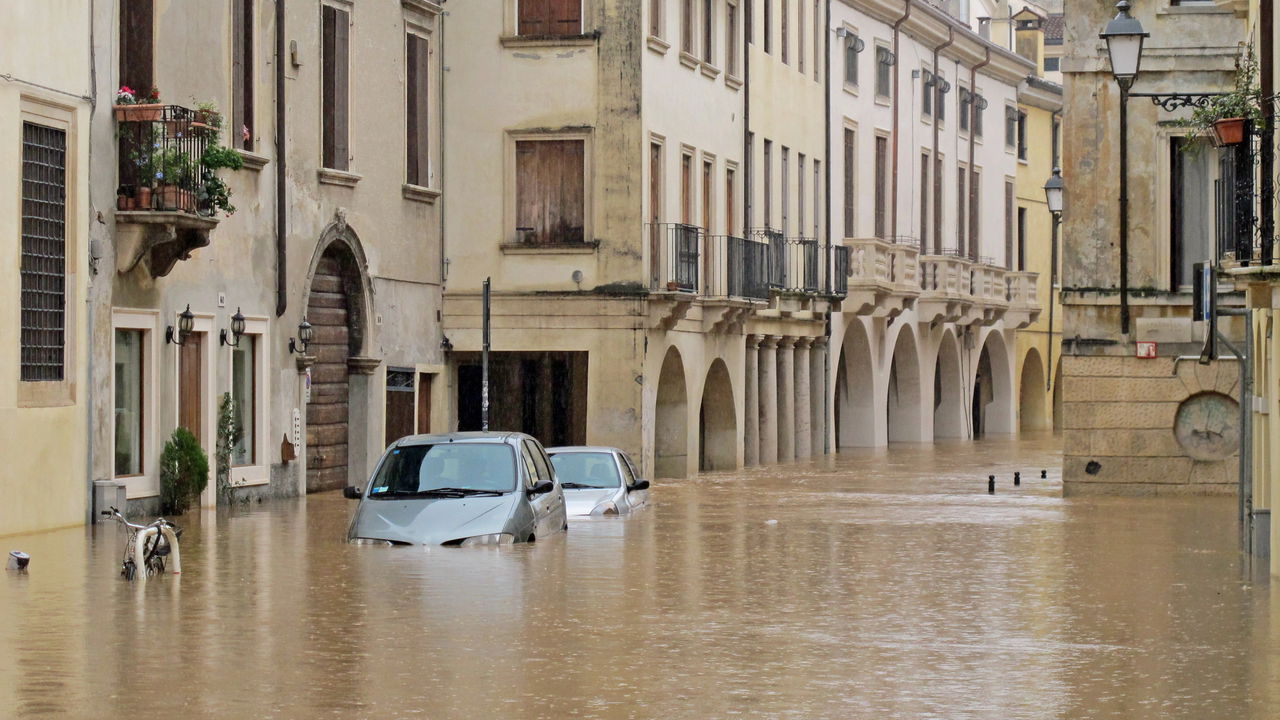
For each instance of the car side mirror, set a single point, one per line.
(638, 485)
(545, 486)
(351, 492)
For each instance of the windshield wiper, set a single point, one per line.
(578, 486)
(460, 491)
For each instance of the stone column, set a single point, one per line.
(786, 400)
(751, 403)
(804, 414)
(819, 418)
(768, 400)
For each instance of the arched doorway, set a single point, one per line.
(1031, 391)
(855, 389)
(903, 397)
(992, 406)
(948, 398)
(671, 421)
(717, 424)
(334, 309)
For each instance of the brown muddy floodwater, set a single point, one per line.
(875, 585)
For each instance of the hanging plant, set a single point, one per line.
(1224, 118)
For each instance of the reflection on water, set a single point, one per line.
(871, 585)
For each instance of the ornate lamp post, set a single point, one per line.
(1053, 191)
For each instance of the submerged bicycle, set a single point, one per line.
(148, 547)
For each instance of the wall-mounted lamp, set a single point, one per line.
(445, 344)
(179, 335)
(857, 43)
(1053, 193)
(237, 329)
(981, 103)
(886, 56)
(944, 86)
(305, 334)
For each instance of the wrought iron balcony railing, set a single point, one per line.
(161, 151)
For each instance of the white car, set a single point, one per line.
(598, 480)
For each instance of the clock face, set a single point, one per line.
(1207, 426)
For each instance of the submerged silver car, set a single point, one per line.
(467, 488)
(598, 480)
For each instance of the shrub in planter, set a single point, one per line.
(1225, 117)
(184, 472)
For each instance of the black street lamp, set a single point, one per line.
(1124, 36)
(305, 334)
(237, 329)
(1054, 189)
(186, 321)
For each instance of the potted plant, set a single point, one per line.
(1226, 116)
(214, 193)
(131, 106)
(126, 197)
(173, 175)
(184, 472)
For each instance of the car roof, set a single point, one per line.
(582, 449)
(465, 437)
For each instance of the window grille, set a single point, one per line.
(44, 252)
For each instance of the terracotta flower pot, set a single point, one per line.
(143, 200)
(124, 202)
(1230, 131)
(139, 113)
(173, 197)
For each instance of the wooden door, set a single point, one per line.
(328, 311)
(190, 392)
(400, 404)
(424, 403)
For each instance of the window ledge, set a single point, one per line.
(419, 193)
(689, 60)
(883, 100)
(253, 161)
(429, 7)
(1206, 9)
(710, 70)
(524, 41)
(329, 176)
(733, 82)
(586, 248)
(658, 45)
(851, 88)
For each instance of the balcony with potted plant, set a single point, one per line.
(169, 193)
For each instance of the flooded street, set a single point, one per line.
(869, 585)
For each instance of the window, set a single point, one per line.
(940, 86)
(242, 74)
(1052, 64)
(768, 183)
(129, 426)
(334, 91)
(1022, 238)
(1192, 199)
(550, 17)
(966, 109)
(924, 200)
(708, 194)
(961, 202)
(747, 198)
(1057, 142)
(786, 188)
(550, 198)
(731, 37)
(417, 113)
(849, 195)
(44, 253)
(975, 213)
(882, 189)
(817, 196)
(1008, 225)
(1010, 128)
(768, 26)
(656, 184)
(800, 196)
(786, 29)
(884, 61)
(851, 60)
(1022, 135)
(686, 189)
(937, 204)
(245, 397)
(979, 104)
(137, 39)
(686, 26)
(730, 179)
(655, 17)
(800, 32)
(708, 29)
(926, 93)
(817, 44)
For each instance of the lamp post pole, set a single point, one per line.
(1125, 84)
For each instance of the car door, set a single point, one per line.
(547, 506)
(529, 509)
(635, 498)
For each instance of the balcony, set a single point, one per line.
(883, 275)
(162, 211)
(1023, 308)
(727, 276)
(990, 293)
(946, 288)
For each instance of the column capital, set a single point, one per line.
(803, 343)
(753, 342)
(819, 342)
(786, 342)
(769, 342)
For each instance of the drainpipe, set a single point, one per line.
(937, 181)
(897, 102)
(443, 145)
(973, 108)
(282, 295)
(826, 358)
(749, 186)
(1266, 77)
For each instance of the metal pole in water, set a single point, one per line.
(1017, 478)
(484, 364)
(991, 484)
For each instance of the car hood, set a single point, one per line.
(581, 501)
(432, 521)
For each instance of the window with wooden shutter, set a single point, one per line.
(785, 28)
(882, 190)
(975, 214)
(786, 188)
(849, 174)
(137, 37)
(768, 183)
(708, 194)
(800, 196)
(335, 48)
(241, 131)
(924, 200)
(817, 196)
(937, 205)
(550, 186)
(43, 270)
(731, 37)
(961, 202)
(686, 26)
(686, 189)
(708, 29)
(800, 32)
(417, 114)
(729, 188)
(550, 17)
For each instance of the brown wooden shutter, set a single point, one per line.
(882, 153)
(924, 202)
(137, 35)
(1008, 225)
(242, 74)
(417, 123)
(686, 189)
(848, 182)
(975, 214)
(565, 17)
(334, 87)
(937, 205)
(961, 201)
(534, 17)
(728, 202)
(550, 191)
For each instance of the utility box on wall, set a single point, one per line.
(108, 494)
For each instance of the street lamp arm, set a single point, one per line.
(1175, 101)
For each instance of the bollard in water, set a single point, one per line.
(1017, 478)
(991, 484)
(1044, 474)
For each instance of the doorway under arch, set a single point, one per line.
(855, 389)
(948, 395)
(671, 421)
(717, 421)
(1031, 392)
(992, 405)
(902, 406)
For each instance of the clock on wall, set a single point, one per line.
(1207, 426)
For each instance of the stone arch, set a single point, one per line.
(948, 390)
(717, 421)
(671, 421)
(992, 400)
(337, 307)
(855, 389)
(1031, 392)
(902, 406)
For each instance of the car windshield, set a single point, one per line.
(586, 469)
(446, 469)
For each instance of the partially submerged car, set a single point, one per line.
(598, 480)
(466, 488)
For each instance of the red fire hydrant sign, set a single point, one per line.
(1146, 350)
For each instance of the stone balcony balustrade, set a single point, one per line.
(883, 276)
(1022, 293)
